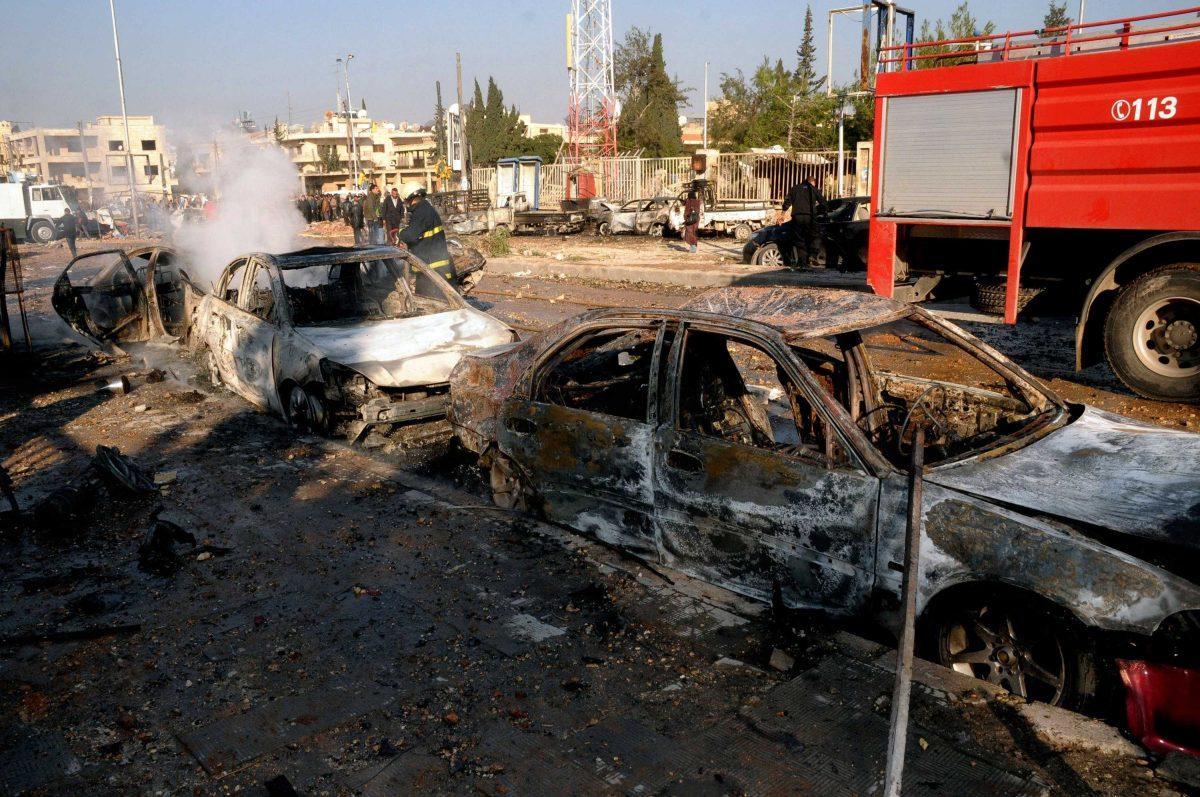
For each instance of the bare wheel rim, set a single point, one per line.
(305, 412)
(1023, 654)
(741, 233)
(1166, 337)
(770, 255)
(507, 490)
(656, 230)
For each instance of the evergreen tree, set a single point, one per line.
(650, 118)
(962, 25)
(493, 131)
(1056, 15)
(806, 57)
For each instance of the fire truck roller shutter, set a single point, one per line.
(950, 155)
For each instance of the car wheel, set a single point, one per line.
(656, 230)
(604, 229)
(306, 411)
(1030, 650)
(42, 232)
(509, 488)
(768, 255)
(742, 233)
(1152, 334)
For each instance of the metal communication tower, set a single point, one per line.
(592, 114)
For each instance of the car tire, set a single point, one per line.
(41, 232)
(305, 410)
(510, 489)
(604, 229)
(769, 255)
(742, 233)
(1152, 334)
(990, 296)
(1023, 644)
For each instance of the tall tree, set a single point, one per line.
(650, 116)
(439, 124)
(806, 57)
(633, 66)
(493, 130)
(1056, 15)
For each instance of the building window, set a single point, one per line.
(149, 145)
(151, 171)
(116, 146)
(377, 148)
(119, 173)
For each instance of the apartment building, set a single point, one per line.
(388, 153)
(93, 159)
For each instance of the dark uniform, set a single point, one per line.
(426, 239)
(805, 201)
(69, 230)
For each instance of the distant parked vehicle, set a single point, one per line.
(637, 216)
(843, 234)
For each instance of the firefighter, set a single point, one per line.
(424, 235)
(805, 201)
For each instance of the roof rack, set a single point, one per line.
(1053, 42)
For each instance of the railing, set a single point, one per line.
(745, 177)
(1051, 42)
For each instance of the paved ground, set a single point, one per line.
(366, 623)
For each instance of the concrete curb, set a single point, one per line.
(717, 277)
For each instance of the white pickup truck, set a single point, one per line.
(736, 217)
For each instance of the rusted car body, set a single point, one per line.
(758, 437)
(334, 339)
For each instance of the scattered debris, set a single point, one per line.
(781, 661)
(121, 385)
(156, 554)
(163, 478)
(1180, 768)
(122, 471)
(280, 786)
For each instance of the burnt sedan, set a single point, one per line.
(759, 439)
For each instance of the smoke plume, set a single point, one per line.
(254, 190)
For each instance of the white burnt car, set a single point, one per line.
(334, 339)
(760, 439)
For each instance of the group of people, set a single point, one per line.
(402, 217)
(375, 218)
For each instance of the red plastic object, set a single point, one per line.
(1162, 704)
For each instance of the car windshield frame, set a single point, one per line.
(395, 260)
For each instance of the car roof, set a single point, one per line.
(799, 313)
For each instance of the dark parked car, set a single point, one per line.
(843, 237)
(759, 439)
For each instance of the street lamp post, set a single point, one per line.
(137, 227)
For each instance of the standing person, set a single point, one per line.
(68, 222)
(424, 235)
(393, 216)
(354, 217)
(691, 218)
(372, 211)
(805, 201)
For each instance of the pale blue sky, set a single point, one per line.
(196, 64)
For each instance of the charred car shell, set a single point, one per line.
(822, 523)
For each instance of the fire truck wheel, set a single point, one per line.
(989, 297)
(1152, 334)
(42, 232)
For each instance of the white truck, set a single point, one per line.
(737, 217)
(32, 211)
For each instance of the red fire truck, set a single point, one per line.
(1060, 166)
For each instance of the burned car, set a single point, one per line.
(340, 339)
(843, 234)
(759, 439)
(334, 339)
(637, 216)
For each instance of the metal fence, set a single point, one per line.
(765, 177)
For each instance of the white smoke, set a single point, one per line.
(255, 190)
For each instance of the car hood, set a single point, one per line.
(1102, 469)
(408, 352)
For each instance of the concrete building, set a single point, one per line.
(94, 159)
(534, 129)
(388, 153)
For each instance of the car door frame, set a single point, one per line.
(858, 578)
(639, 502)
(141, 311)
(220, 326)
(257, 338)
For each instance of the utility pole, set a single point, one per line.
(351, 136)
(87, 169)
(465, 177)
(1082, 8)
(705, 135)
(289, 100)
(137, 227)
